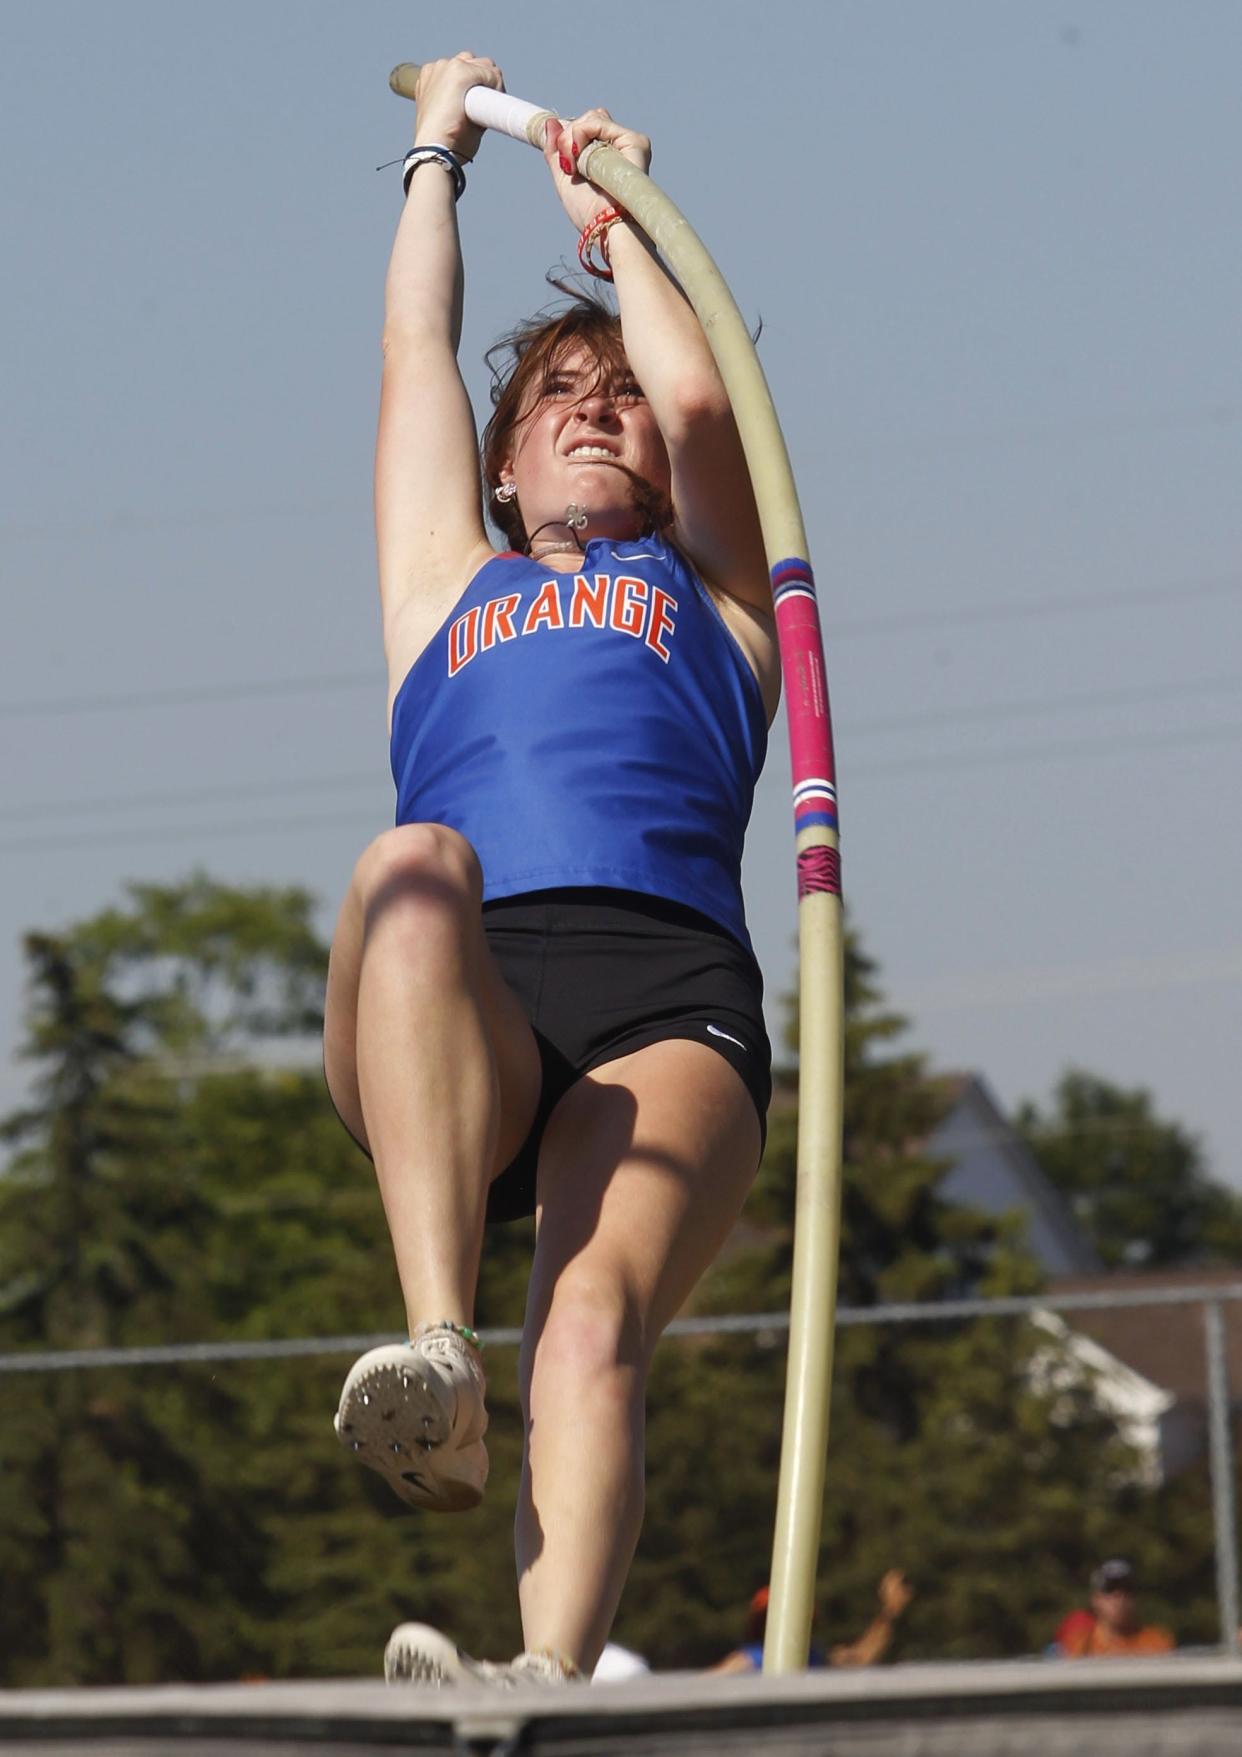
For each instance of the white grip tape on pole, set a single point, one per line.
(501, 112)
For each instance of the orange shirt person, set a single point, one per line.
(1113, 1630)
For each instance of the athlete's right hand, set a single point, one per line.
(440, 96)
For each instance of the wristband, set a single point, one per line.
(438, 155)
(594, 236)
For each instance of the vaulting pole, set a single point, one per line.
(800, 1495)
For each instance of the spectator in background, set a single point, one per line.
(895, 1594)
(1111, 1629)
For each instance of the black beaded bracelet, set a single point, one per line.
(440, 155)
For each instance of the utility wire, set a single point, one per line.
(1014, 755)
(984, 713)
(183, 796)
(835, 628)
(1080, 701)
(190, 695)
(1067, 604)
(1038, 753)
(199, 833)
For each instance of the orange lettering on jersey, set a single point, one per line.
(545, 612)
(589, 603)
(662, 607)
(629, 606)
(463, 640)
(498, 620)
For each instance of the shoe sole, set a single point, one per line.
(418, 1654)
(391, 1421)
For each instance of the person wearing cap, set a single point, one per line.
(1111, 1630)
(895, 1593)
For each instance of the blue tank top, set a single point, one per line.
(597, 728)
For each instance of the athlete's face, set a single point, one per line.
(585, 439)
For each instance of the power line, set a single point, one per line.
(126, 522)
(1078, 701)
(984, 713)
(1065, 981)
(1222, 414)
(1035, 753)
(190, 832)
(1013, 756)
(183, 796)
(1023, 608)
(191, 694)
(835, 628)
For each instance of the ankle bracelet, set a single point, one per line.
(462, 1330)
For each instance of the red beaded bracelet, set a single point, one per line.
(595, 232)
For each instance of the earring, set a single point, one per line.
(506, 492)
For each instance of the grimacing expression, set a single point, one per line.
(583, 437)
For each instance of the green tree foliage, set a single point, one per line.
(945, 1457)
(170, 1183)
(92, 1235)
(1138, 1184)
(176, 1177)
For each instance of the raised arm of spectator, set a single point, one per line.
(895, 1594)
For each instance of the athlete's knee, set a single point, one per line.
(427, 868)
(590, 1335)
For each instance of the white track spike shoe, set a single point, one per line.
(414, 1412)
(419, 1654)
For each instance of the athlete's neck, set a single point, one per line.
(565, 553)
(562, 558)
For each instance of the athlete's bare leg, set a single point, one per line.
(644, 1169)
(429, 1056)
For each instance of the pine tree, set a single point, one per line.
(87, 1206)
(1138, 1184)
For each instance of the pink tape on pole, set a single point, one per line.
(819, 869)
(806, 696)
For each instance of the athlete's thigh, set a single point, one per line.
(513, 1041)
(644, 1167)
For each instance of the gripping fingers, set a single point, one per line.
(598, 124)
(440, 94)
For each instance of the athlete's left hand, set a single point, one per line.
(564, 141)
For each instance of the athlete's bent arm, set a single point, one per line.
(717, 523)
(428, 512)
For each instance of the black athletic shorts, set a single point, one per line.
(602, 973)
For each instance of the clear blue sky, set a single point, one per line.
(996, 252)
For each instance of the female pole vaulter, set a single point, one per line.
(542, 996)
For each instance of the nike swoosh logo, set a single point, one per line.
(717, 1032)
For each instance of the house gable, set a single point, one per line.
(991, 1169)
